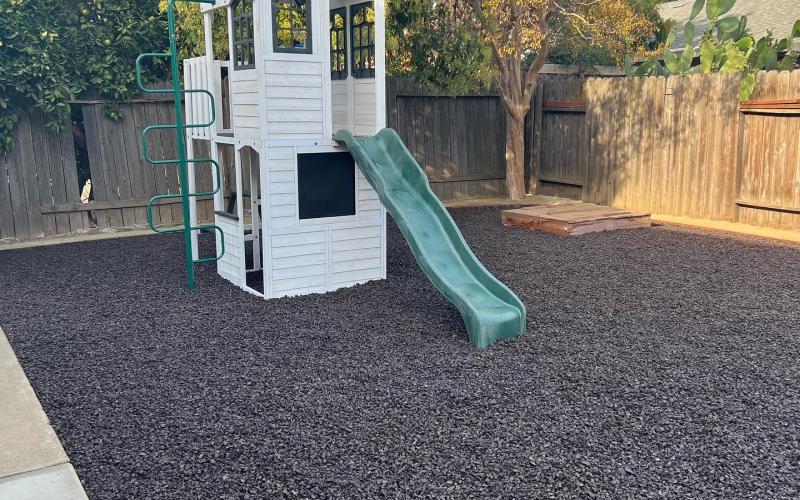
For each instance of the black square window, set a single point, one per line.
(291, 26)
(338, 44)
(362, 40)
(243, 38)
(326, 184)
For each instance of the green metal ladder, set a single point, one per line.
(182, 162)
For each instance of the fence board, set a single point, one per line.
(6, 210)
(40, 162)
(132, 156)
(72, 187)
(51, 140)
(28, 167)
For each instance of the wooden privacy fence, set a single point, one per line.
(40, 171)
(459, 142)
(682, 146)
(41, 195)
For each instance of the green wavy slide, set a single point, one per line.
(490, 310)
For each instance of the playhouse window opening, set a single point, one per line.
(362, 40)
(338, 44)
(243, 35)
(291, 26)
(326, 185)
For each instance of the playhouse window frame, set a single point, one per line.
(339, 55)
(243, 36)
(357, 50)
(308, 49)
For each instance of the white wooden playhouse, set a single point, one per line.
(297, 215)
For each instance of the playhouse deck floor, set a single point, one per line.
(659, 362)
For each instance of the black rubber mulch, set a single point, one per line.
(659, 362)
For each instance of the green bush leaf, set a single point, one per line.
(796, 29)
(716, 8)
(696, 8)
(671, 62)
(708, 50)
(728, 24)
(767, 58)
(741, 30)
(744, 44)
(734, 59)
(644, 69)
(748, 87)
(686, 58)
(688, 33)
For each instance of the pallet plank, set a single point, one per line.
(574, 218)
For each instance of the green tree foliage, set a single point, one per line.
(52, 51)
(428, 42)
(190, 32)
(574, 49)
(726, 47)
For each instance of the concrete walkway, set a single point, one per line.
(33, 464)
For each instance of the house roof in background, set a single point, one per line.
(762, 16)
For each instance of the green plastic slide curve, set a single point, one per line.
(490, 310)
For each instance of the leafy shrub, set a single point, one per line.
(726, 47)
(54, 51)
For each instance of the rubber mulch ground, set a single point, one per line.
(658, 363)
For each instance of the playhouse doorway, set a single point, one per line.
(249, 196)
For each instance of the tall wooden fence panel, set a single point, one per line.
(664, 145)
(459, 141)
(559, 122)
(120, 175)
(39, 186)
(682, 146)
(39, 171)
(769, 181)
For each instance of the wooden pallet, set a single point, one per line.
(574, 218)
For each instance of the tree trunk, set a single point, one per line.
(515, 155)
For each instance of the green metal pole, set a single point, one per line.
(180, 132)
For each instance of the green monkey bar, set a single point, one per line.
(182, 162)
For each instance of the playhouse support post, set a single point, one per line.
(191, 187)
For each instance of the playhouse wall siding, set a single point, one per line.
(294, 102)
(364, 106)
(230, 266)
(340, 104)
(309, 257)
(245, 108)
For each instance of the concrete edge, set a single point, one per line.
(48, 483)
(33, 463)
